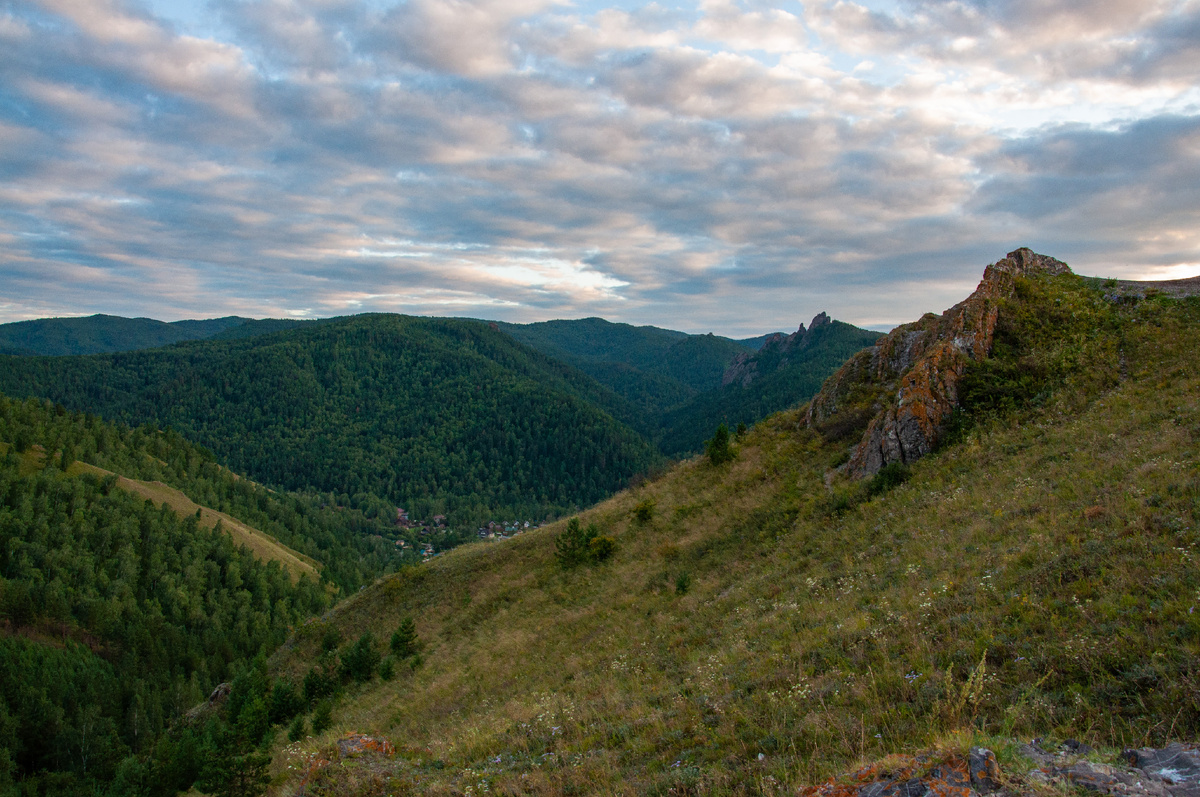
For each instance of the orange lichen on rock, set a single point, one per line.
(923, 363)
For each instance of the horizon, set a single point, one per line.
(719, 165)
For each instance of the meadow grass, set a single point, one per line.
(1036, 578)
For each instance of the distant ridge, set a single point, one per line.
(109, 334)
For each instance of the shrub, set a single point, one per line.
(387, 669)
(644, 511)
(322, 717)
(601, 548)
(683, 582)
(285, 702)
(889, 477)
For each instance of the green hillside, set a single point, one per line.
(674, 381)
(651, 368)
(103, 333)
(120, 610)
(777, 377)
(766, 623)
(439, 416)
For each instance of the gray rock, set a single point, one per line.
(985, 772)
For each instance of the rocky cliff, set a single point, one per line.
(747, 366)
(907, 383)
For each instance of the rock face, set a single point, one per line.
(744, 368)
(911, 375)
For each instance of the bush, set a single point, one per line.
(322, 717)
(644, 511)
(387, 669)
(319, 683)
(285, 701)
(889, 477)
(683, 582)
(601, 548)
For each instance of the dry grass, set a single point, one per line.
(985, 595)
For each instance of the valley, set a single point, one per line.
(982, 527)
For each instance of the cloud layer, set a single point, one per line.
(722, 165)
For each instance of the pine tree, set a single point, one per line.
(404, 639)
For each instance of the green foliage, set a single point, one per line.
(683, 583)
(321, 681)
(298, 729)
(644, 511)
(889, 477)
(142, 612)
(343, 540)
(236, 773)
(577, 545)
(331, 639)
(717, 448)
(439, 416)
(404, 642)
(103, 333)
(285, 701)
(387, 669)
(322, 717)
(361, 659)
(782, 379)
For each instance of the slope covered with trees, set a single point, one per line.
(775, 377)
(652, 368)
(436, 415)
(116, 614)
(100, 334)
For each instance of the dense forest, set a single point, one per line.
(782, 376)
(439, 416)
(116, 615)
(344, 539)
(100, 334)
(676, 380)
(652, 368)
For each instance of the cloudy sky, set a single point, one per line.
(723, 165)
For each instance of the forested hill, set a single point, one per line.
(787, 370)
(98, 334)
(652, 368)
(118, 614)
(437, 415)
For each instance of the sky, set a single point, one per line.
(725, 165)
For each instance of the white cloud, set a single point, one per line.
(735, 166)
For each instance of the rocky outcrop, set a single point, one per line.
(1173, 771)
(745, 367)
(910, 377)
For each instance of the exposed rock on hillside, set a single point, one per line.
(745, 366)
(907, 384)
(1173, 771)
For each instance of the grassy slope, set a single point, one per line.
(262, 545)
(1037, 577)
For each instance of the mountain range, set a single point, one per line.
(980, 528)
